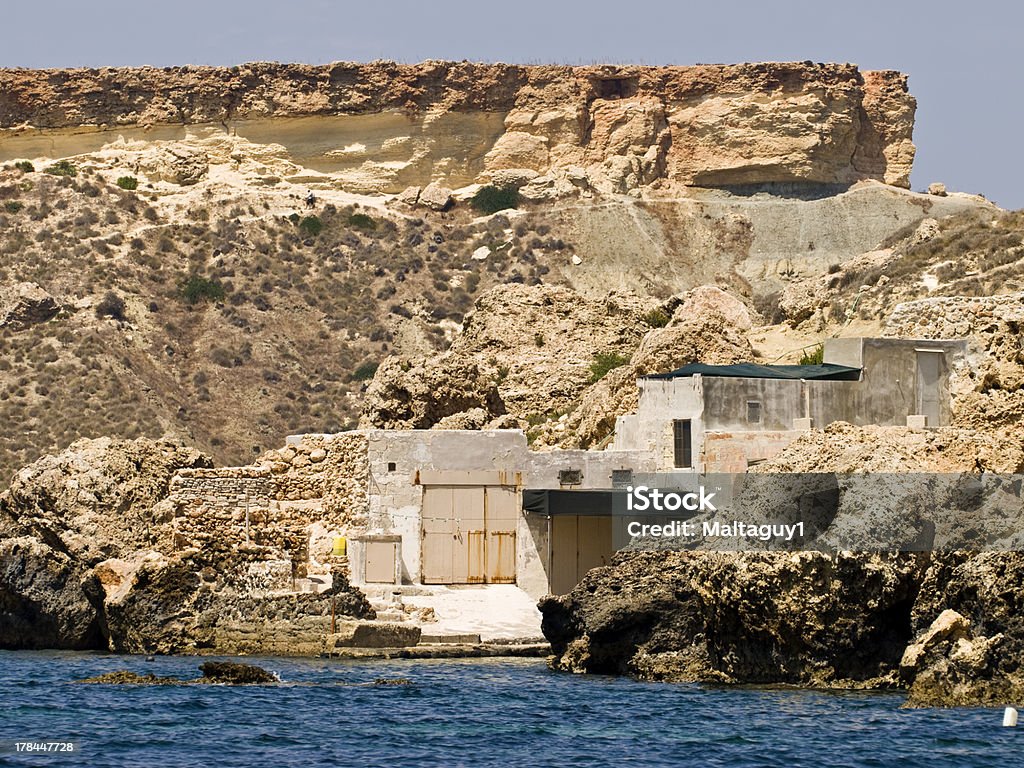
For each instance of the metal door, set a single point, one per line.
(380, 562)
(468, 537)
(929, 366)
(454, 535)
(501, 509)
(438, 535)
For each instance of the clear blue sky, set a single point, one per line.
(962, 57)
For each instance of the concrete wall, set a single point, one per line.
(662, 401)
(887, 392)
(395, 499)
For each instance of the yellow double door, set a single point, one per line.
(469, 534)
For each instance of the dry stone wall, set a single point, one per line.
(259, 512)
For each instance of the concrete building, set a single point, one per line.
(726, 418)
(435, 508)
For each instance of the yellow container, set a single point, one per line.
(340, 546)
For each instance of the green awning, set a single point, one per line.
(824, 371)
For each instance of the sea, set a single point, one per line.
(468, 712)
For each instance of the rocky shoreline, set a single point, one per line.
(946, 628)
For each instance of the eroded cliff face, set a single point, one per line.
(554, 129)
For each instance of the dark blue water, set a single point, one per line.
(503, 713)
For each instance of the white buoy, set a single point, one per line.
(1009, 717)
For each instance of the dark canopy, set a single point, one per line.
(754, 371)
(561, 502)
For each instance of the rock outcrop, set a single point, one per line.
(614, 129)
(25, 304)
(803, 618)
(525, 350)
(90, 558)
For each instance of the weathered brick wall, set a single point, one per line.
(732, 451)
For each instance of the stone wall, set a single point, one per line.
(260, 511)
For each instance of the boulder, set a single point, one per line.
(25, 304)
(409, 196)
(937, 188)
(177, 164)
(47, 600)
(436, 198)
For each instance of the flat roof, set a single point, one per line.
(823, 371)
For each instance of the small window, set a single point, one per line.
(570, 476)
(622, 478)
(392, 466)
(682, 443)
(753, 412)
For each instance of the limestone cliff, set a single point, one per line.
(388, 125)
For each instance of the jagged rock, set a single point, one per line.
(949, 666)
(410, 195)
(96, 499)
(937, 188)
(524, 350)
(233, 673)
(435, 197)
(707, 325)
(127, 677)
(512, 178)
(804, 618)
(177, 164)
(25, 304)
(47, 599)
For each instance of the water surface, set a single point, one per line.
(494, 712)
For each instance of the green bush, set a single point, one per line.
(311, 226)
(62, 168)
(365, 372)
(657, 318)
(24, 166)
(491, 199)
(361, 221)
(604, 362)
(197, 289)
(13, 206)
(814, 356)
(128, 182)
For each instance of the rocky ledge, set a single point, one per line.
(947, 627)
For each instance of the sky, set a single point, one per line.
(962, 57)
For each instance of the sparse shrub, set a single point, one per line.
(63, 168)
(657, 318)
(111, 306)
(25, 166)
(813, 356)
(311, 226)
(362, 221)
(365, 372)
(491, 199)
(605, 362)
(197, 289)
(128, 182)
(150, 213)
(13, 206)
